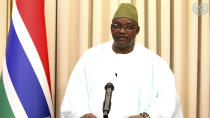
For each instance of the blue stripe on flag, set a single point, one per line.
(24, 78)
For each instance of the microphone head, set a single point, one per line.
(109, 85)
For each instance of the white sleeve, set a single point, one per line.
(163, 106)
(75, 102)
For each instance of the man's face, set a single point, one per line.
(124, 31)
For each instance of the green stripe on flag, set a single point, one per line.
(5, 109)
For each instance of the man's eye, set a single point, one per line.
(130, 27)
(116, 25)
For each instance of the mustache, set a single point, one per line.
(121, 37)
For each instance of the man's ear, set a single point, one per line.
(111, 27)
(137, 30)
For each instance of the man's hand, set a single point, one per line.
(137, 116)
(89, 115)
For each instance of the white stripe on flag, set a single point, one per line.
(32, 54)
(13, 99)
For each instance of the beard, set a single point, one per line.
(123, 45)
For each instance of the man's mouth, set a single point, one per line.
(122, 38)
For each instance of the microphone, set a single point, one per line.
(107, 102)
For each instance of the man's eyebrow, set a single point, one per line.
(128, 23)
(115, 22)
(131, 23)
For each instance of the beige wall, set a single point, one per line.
(3, 29)
(168, 27)
(50, 17)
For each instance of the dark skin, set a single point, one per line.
(124, 38)
(124, 41)
(89, 115)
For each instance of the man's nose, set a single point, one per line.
(122, 30)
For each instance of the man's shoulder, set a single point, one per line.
(148, 54)
(95, 52)
(145, 51)
(99, 48)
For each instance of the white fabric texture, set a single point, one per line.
(144, 83)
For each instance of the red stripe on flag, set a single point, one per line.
(32, 14)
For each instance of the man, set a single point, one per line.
(144, 85)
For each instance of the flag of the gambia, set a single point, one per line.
(25, 80)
